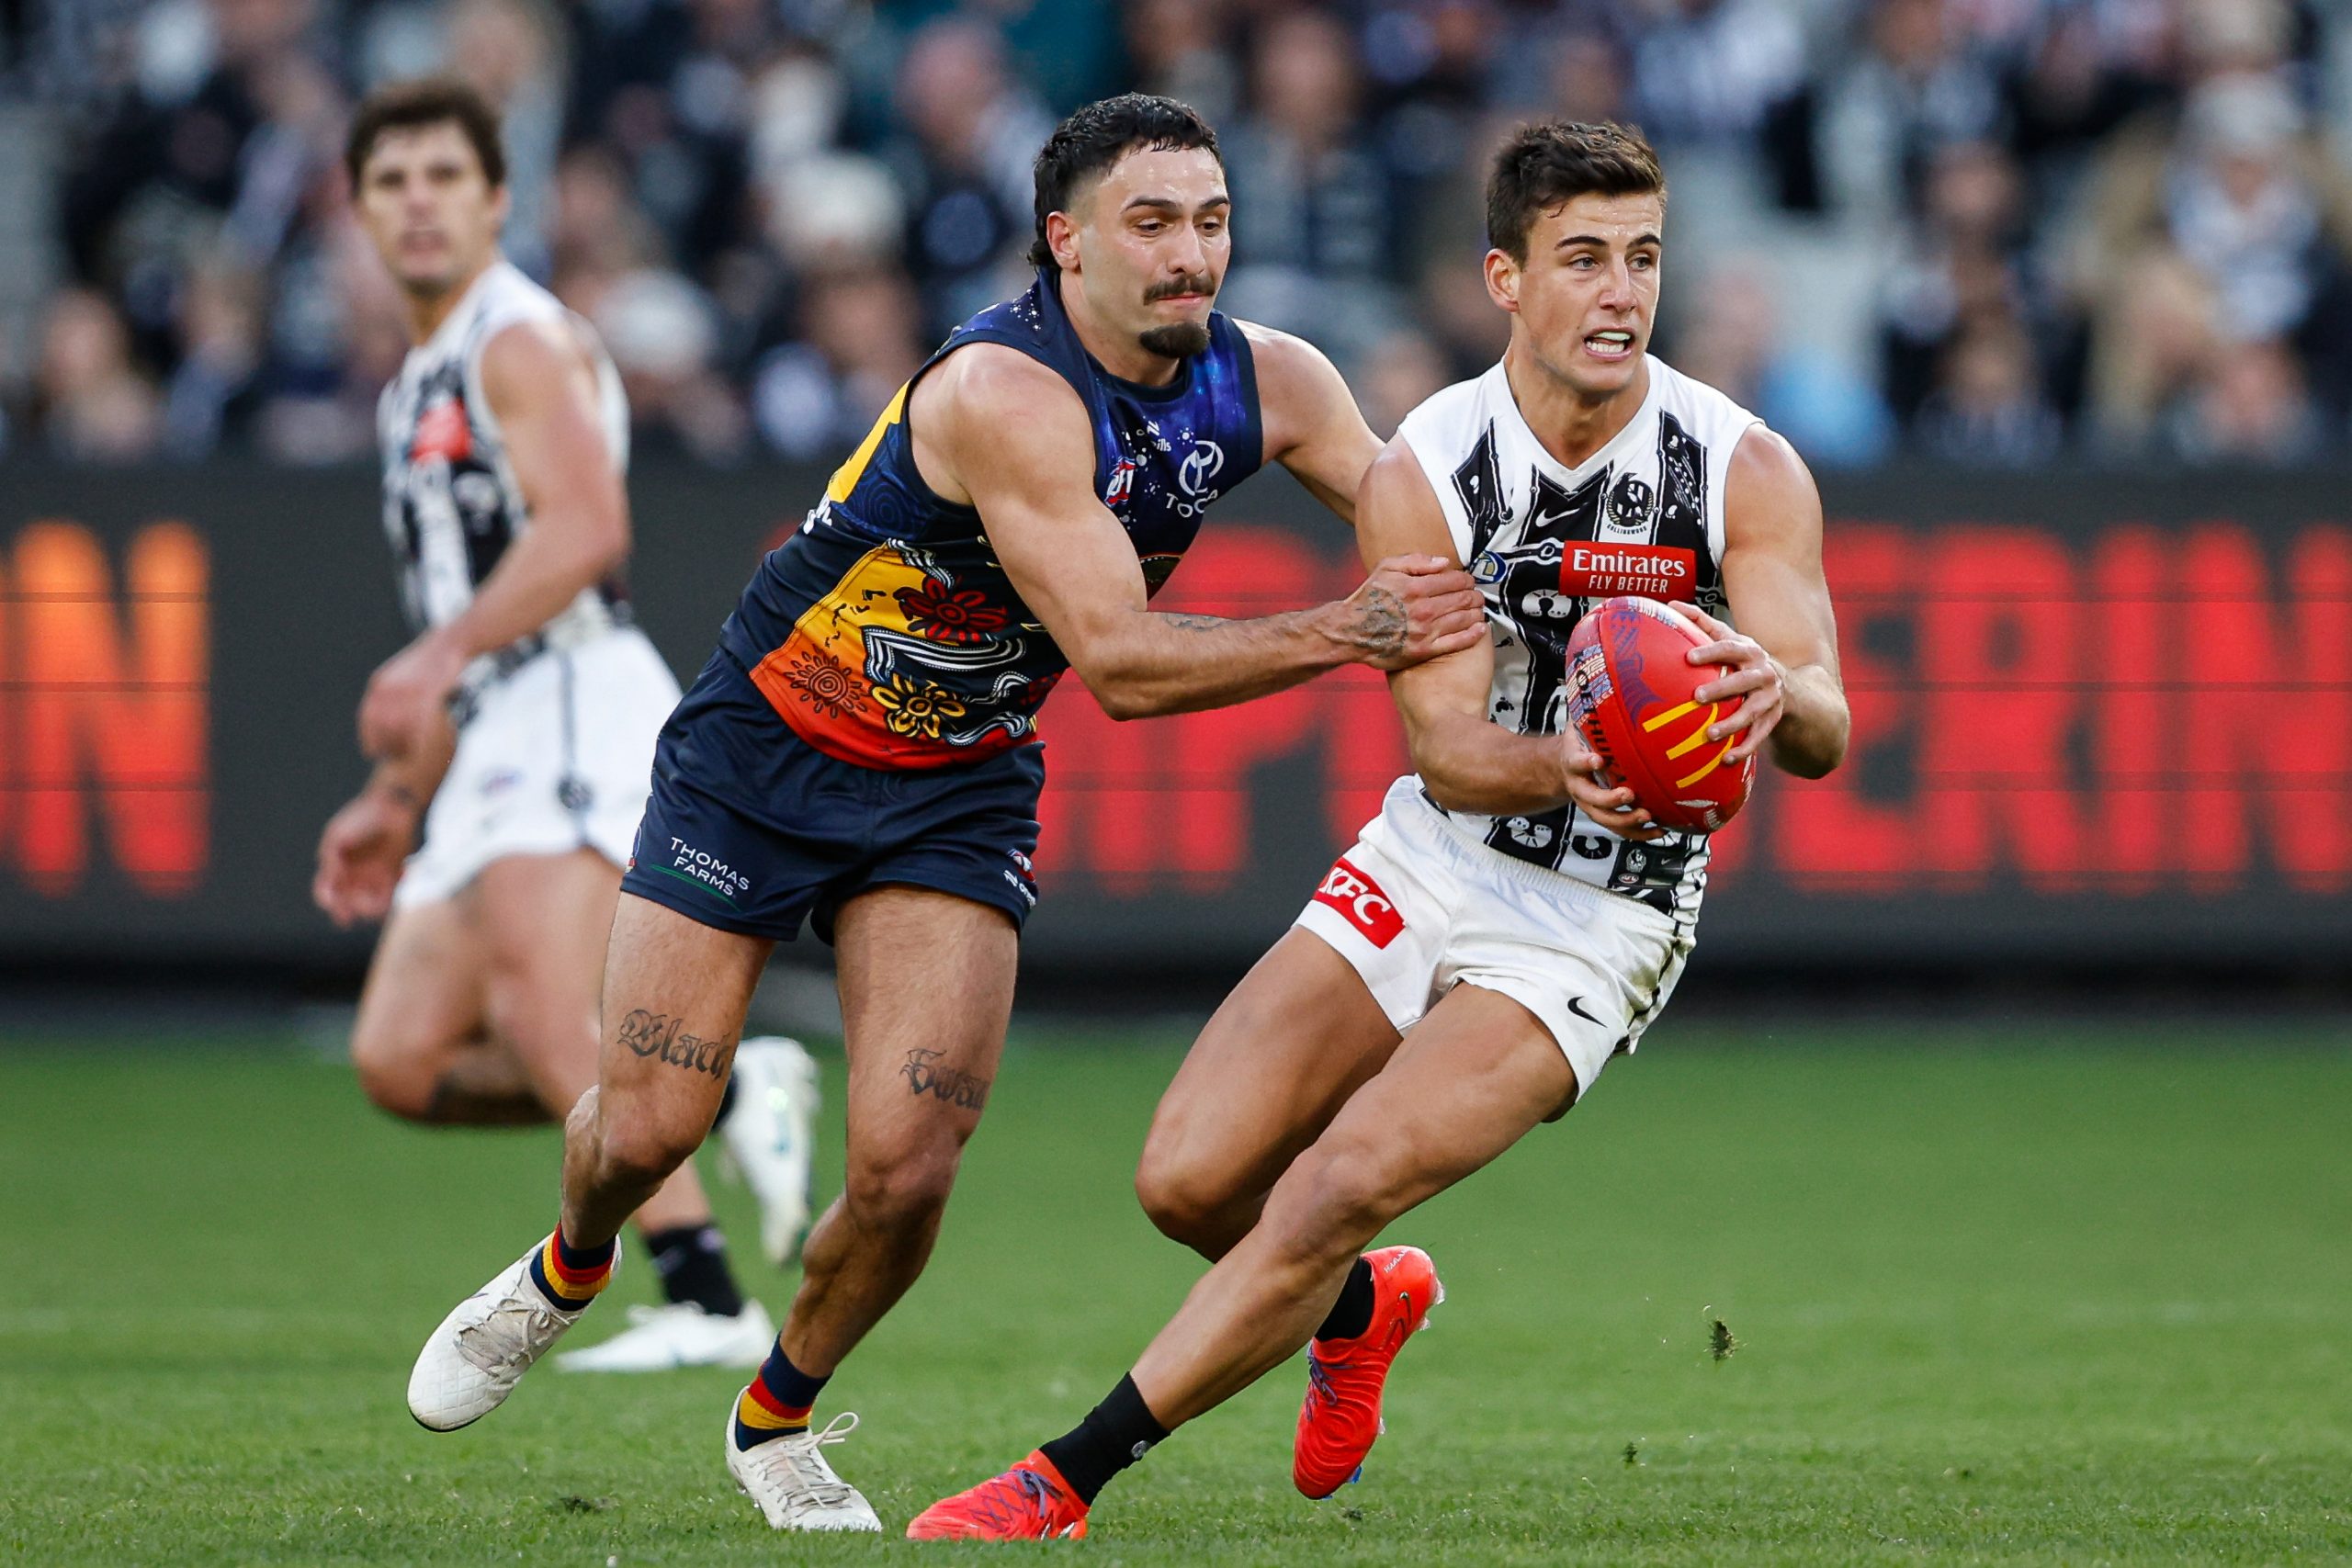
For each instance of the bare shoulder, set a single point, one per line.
(1396, 479)
(522, 360)
(1766, 472)
(989, 419)
(991, 388)
(1398, 509)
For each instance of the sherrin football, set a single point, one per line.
(1630, 694)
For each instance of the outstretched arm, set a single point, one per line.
(1007, 433)
(1313, 426)
(542, 389)
(1466, 760)
(1784, 658)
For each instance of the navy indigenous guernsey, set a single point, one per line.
(884, 632)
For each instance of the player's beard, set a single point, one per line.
(1181, 341)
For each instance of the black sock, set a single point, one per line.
(691, 1261)
(1352, 1313)
(725, 1102)
(1113, 1436)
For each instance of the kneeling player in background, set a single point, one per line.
(505, 441)
(1510, 921)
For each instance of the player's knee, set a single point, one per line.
(641, 1150)
(902, 1190)
(1338, 1201)
(393, 1073)
(1181, 1196)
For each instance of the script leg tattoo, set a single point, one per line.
(661, 1036)
(949, 1085)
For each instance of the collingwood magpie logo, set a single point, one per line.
(1630, 503)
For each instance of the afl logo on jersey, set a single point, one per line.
(1630, 503)
(1200, 465)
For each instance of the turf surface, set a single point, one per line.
(2009, 1298)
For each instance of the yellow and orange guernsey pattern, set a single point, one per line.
(885, 631)
(869, 670)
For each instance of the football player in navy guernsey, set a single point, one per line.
(1511, 920)
(505, 440)
(860, 753)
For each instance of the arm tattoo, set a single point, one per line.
(1196, 623)
(1380, 624)
(664, 1037)
(950, 1086)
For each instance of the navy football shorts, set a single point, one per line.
(753, 830)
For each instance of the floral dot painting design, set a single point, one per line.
(911, 709)
(950, 614)
(826, 686)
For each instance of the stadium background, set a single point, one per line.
(2001, 1112)
(2056, 295)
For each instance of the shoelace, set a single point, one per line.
(803, 1468)
(511, 1338)
(1022, 1498)
(1318, 1381)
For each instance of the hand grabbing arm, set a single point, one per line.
(1007, 433)
(1467, 761)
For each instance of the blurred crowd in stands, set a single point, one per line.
(1993, 232)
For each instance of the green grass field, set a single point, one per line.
(2068, 1297)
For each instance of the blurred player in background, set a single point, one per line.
(1510, 921)
(861, 750)
(525, 713)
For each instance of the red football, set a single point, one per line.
(1630, 686)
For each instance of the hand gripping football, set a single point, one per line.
(1630, 694)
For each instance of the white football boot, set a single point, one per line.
(794, 1486)
(485, 1345)
(767, 1138)
(678, 1334)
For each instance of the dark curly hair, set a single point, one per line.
(1091, 142)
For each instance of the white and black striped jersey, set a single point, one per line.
(1644, 515)
(451, 503)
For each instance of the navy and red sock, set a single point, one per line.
(572, 1276)
(778, 1402)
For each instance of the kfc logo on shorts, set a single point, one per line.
(1359, 899)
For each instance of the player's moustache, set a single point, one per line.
(1191, 283)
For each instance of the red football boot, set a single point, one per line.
(1340, 1419)
(1029, 1502)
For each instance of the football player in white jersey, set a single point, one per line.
(516, 730)
(1510, 921)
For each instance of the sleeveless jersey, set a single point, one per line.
(451, 503)
(1644, 515)
(885, 632)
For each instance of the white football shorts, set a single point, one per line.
(556, 756)
(1418, 909)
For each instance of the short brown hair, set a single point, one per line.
(1556, 160)
(430, 100)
